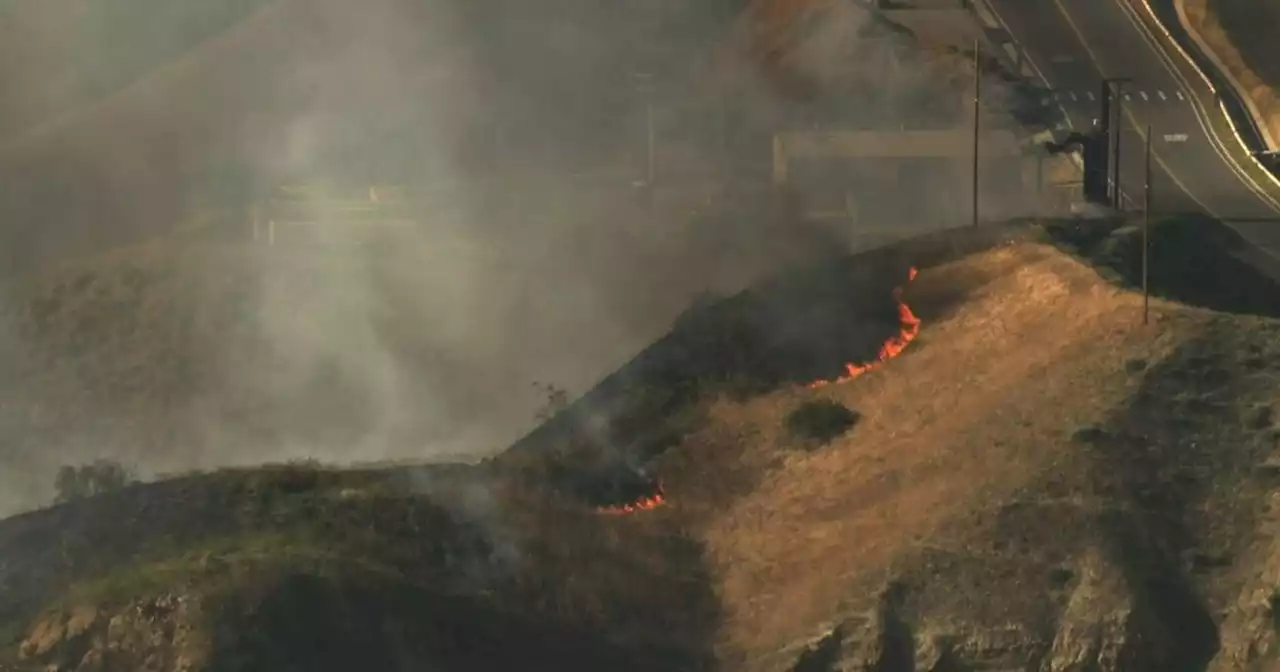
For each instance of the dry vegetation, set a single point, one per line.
(1036, 446)
(937, 447)
(1234, 28)
(1038, 482)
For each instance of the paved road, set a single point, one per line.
(1251, 26)
(1199, 164)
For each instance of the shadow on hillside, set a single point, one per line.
(459, 585)
(315, 569)
(1177, 464)
(797, 328)
(1193, 259)
(303, 621)
(1174, 477)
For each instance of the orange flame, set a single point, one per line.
(909, 328)
(647, 503)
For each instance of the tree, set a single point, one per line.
(556, 400)
(87, 480)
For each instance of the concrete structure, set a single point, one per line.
(955, 144)
(906, 179)
(320, 213)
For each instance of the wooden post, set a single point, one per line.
(977, 114)
(1146, 231)
(1117, 197)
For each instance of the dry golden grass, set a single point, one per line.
(984, 401)
(762, 545)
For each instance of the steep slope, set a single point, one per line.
(1037, 481)
(59, 56)
(394, 90)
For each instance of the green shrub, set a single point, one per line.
(821, 420)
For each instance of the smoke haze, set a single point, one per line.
(519, 128)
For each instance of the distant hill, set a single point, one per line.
(57, 56)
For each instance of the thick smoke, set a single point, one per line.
(521, 129)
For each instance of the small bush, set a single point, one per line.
(556, 401)
(89, 479)
(1274, 604)
(821, 420)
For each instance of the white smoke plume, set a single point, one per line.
(520, 128)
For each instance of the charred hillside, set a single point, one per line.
(1034, 480)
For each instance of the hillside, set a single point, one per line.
(288, 91)
(1036, 482)
(199, 350)
(58, 56)
(194, 352)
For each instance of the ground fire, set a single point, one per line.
(645, 503)
(611, 487)
(650, 499)
(908, 329)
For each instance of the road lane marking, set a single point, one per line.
(1128, 112)
(1144, 95)
(1073, 96)
(1175, 137)
(1162, 96)
(1066, 124)
(1179, 94)
(1196, 69)
(1201, 113)
(1089, 94)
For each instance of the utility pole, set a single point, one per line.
(646, 85)
(1118, 109)
(723, 126)
(1146, 230)
(977, 114)
(648, 122)
(1116, 198)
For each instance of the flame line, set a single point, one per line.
(646, 503)
(908, 329)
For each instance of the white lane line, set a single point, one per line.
(1162, 96)
(1212, 138)
(1031, 63)
(1144, 95)
(1231, 124)
(1128, 96)
(1089, 94)
(1179, 95)
(1128, 113)
(1073, 96)
(1201, 114)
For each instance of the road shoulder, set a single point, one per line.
(1223, 42)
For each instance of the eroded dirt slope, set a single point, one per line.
(1036, 482)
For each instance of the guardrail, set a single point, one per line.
(1202, 45)
(988, 20)
(1232, 101)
